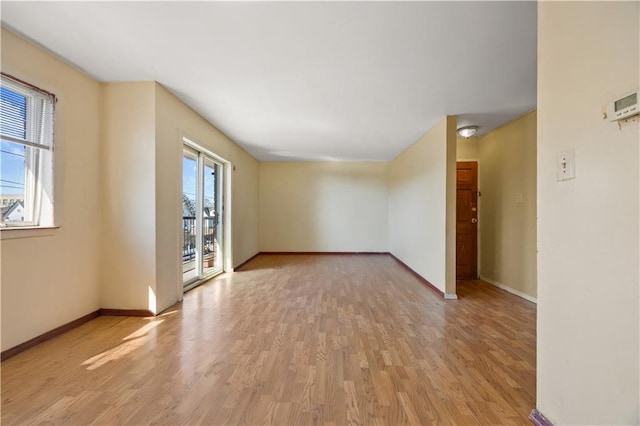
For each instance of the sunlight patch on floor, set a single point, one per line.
(131, 342)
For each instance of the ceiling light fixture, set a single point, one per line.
(467, 131)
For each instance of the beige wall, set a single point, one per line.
(507, 207)
(117, 182)
(422, 203)
(128, 167)
(467, 149)
(588, 230)
(52, 277)
(175, 120)
(450, 207)
(142, 193)
(332, 206)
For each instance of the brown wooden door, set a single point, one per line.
(467, 220)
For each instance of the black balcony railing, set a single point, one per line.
(189, 237)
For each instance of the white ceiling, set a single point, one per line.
(307, 81)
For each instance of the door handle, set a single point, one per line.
(474, 220)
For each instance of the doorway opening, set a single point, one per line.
(204, 251)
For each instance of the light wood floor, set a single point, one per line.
(291, 340)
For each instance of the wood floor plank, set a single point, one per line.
(291, 339)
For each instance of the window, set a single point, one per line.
(26, 154)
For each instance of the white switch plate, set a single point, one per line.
(566, 165)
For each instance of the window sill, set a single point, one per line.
(27, 232)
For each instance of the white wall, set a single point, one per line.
(422, 205)
(332, 206)
(52, 277)
(588, 230)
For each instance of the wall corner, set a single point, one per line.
(450, 196)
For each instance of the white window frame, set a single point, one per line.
(38, 179)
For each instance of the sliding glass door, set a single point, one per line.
(202, 226)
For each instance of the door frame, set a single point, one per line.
(226, 207)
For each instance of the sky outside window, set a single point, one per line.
(189, 176)
(13, 113)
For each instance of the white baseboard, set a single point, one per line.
(451, 296)
(509, 289)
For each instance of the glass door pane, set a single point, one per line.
(190, 271)
(202, 249)
(211, 214)
(219, 234)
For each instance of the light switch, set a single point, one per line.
(566, 165)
